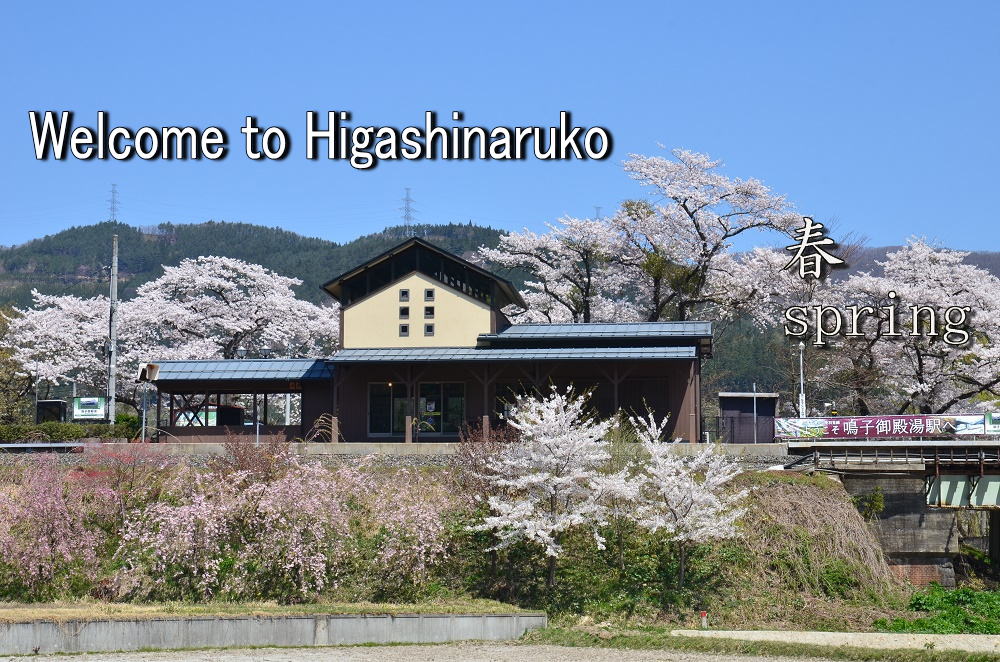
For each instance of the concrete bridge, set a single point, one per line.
(923, 483)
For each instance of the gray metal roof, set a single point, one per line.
(603, 330)
(420, 354)
(244, 369)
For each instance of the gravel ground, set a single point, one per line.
(468, 652)
(975, 643)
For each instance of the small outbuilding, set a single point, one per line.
(747, 417)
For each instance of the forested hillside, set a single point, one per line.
(866, 258)
(75, 261)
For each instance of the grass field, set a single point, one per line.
(11, 612)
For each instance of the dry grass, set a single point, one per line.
(99, 611)
(805, 558)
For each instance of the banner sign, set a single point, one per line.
(878, 427)
(992, 423)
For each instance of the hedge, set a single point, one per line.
(55, 431)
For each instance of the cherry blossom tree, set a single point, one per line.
(688, 500)
(574, 264)
(202, 308)
(59, 338)
(551, 480)
(903, 361)
(668, 260)
(235, 304)
(677, 244)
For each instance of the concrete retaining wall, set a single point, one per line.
(918, 540)
(220, 632)
(361, 448)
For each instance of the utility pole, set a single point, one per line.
(408, 210)
(802, 381)
(145, 387)
(113, 331)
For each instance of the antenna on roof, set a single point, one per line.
(408, 210)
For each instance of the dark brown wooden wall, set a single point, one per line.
(666, 386)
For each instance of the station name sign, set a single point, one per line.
(881, 427)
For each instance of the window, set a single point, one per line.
(428, 329)
(404, 312)
(404, 295)
(441, 408)
(429, 294)
(429, 312)
(404, 330)
(387, 404)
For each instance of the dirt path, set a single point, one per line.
(973, 643)
(471, 652)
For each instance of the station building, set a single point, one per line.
(425, 352)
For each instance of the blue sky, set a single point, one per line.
(879, 116)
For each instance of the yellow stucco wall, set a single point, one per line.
(374, 321)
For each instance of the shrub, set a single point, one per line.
(18, 432)
(46, 545)
(263, 462)
(239, 539)
(56, 431)
(132, 476)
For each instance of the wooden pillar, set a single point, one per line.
(411, 396)
(486, 427)
(697, 400)
(335, 405)
(692, 397)
(615, 381)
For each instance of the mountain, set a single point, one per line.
(866, 257)
(76, 261)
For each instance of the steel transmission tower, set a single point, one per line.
(113, 204)
(408, 210)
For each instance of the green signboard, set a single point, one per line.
(89, 409)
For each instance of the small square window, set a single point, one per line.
(404, 330)
(404, 312)
(429, 312)
(428, 329)
(429, 294)
(404, 295)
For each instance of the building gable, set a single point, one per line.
(415, 311)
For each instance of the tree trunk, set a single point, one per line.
(682, 549)
(550, 578)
